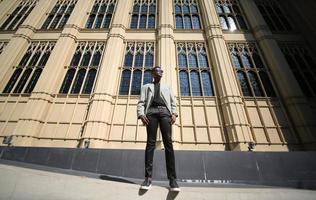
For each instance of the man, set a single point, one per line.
(157, 106)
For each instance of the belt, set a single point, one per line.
(158, 107)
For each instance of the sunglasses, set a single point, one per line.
(158, 70)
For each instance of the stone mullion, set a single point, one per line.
(294, 99)
(98, 123)
(41, 98)
(234, 114)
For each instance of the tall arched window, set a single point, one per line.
(230, 15)
(80, 80)
(104, 10)
(31, 67)
(17, 17)
(59, 15)
(187, 14)
(133, 73)
(194, 78)
(145, 11)
(274, 15)
(251, 74)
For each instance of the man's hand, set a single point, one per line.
(173, 119)
(144, 119)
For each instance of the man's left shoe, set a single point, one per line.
(174, 187)
(146, 184)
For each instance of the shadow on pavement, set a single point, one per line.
(116, 179)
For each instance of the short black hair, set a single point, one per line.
(154, 68)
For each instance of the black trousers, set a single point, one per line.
(159, 116)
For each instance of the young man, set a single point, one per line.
(157, 106)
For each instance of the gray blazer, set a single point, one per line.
(147, 96)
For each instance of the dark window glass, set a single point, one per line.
(255, 84)
(128, 59)
(55, 22)
(63, 21)
(78, 81)
(136, 82)
(244, 84)
(107, 21)
(67, 81)
(178, 9)
(90, 21)
(99, 21)
(203, 60)
(89, 81)
(151, 21)
(144, 8)
(139, 60)
(34, 59)
(25, 58)
(143, 21)
(267, 84)
(76, 59)
(23, 80)
(29, 88)
(147, 77)
(207, 84)
(12, 80)
(44, 59)
(124, 86)
(236, 61)
(149, 60)
(86, 59)
(182, 59)
(152, 8)
(195, 82)
(187, 22)
(194, 9)
(184, 83)
(186, 9)
(136, 8)
(179, 22)
(223, 23)
(47, 22)
(192, 61)
(134, 21)
(96, 59)
(246, 61)
(196, 22)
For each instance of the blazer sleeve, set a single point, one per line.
(173, 103)
(141, 102)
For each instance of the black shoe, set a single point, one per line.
(146, 184)
(174, 187)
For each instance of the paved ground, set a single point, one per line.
(18, 182)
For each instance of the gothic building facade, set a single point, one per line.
(243, 72)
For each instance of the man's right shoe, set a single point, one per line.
(146, 184)
(174, 187)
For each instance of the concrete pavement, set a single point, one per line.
(18, 182)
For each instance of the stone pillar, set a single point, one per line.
(39, 102)
(235, 119)
(97, 124)
(293, 97)
(166, 52)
